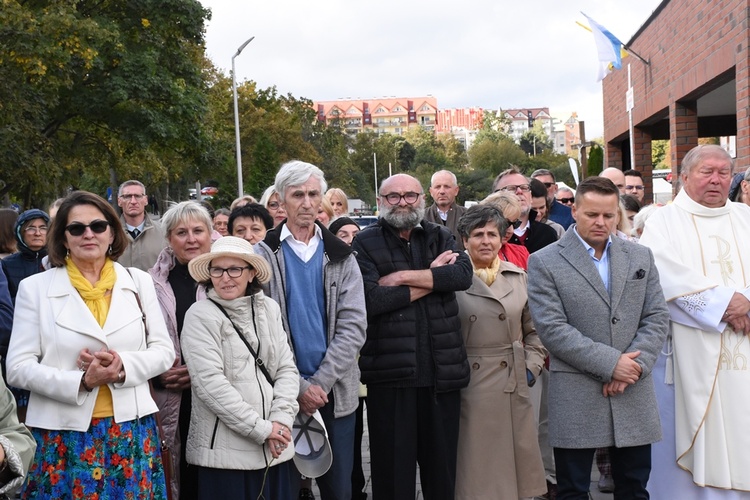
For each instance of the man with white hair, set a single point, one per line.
(317, 283)
(413, 361)
(444, 210)
(700, 244)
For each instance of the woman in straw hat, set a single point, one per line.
(244, 379)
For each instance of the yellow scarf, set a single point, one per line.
(488, 274)
(96, 299)
(94, 296)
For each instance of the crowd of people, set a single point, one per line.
(502, 348)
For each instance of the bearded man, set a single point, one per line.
(413, 361)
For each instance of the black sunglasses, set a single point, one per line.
(516, 223)
(77, 229)
(566, 200)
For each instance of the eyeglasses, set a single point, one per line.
(77, 229)
(395, 198)
(136, 197)
(512, 189)
(515, 223)
(273, 205)
(566, 201)
(549, 184)
(36, 229)
(233, 272)
(637, 188)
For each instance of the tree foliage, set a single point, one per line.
(660, 154)
(495, 127)
(94, 92)
(595, 160)
(97, 91)
(494, 157)
(535, 141)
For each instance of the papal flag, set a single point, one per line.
(609, 47)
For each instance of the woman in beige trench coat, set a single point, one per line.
(498, 451)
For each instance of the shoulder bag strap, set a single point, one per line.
(164, 444)
(258, 360)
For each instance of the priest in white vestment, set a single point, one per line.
(701, 244)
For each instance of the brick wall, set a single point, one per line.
(690, 45)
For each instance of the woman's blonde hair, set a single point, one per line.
(507, 203)
(341, 195)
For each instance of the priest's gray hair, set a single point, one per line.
(700, 153)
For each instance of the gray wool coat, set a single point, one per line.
(586, 330)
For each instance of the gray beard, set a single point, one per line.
(404, 221)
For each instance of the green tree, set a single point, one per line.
(660, 155)
(495, 127)
(494, 157)
(93, 92)
(535, 142)
(595, 160)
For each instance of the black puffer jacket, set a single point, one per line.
(400, 331)
(25, 262)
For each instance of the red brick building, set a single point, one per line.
(695, 85)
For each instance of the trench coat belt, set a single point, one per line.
(516, 349)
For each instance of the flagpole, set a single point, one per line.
(630, 124)
(634, 54)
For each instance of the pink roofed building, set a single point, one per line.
(382, 116)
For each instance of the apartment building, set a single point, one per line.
(383, 116)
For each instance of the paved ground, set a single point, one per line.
(595, 493)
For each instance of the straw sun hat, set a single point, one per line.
(229, 246)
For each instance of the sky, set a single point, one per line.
(474, 53)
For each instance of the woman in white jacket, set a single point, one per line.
(80, 346)
(243, 377)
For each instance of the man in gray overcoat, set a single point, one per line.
(599, 309)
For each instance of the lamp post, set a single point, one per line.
(237, 119)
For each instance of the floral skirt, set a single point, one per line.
(109, 461)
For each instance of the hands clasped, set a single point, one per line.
(312, 399)
(176, 379)
(279, 439)
(736, 314)
(627, 372)
(100, 368)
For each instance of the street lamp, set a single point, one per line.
(237, 119)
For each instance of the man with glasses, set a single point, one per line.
(557, 211)
(532, 234)
(145, 236)
(413, 361)
(316, 281)
(634, 184)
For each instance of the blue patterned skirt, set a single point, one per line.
(109, 461)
